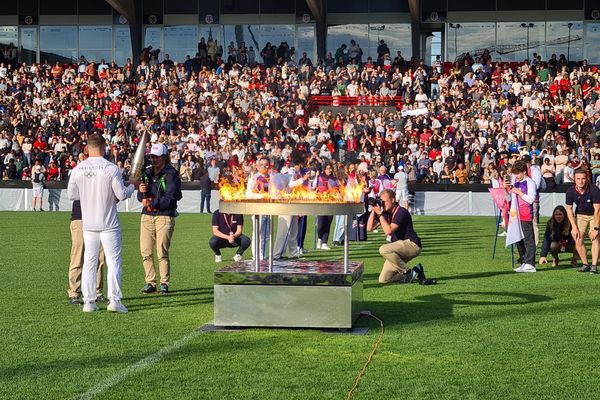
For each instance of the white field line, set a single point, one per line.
(136, 368)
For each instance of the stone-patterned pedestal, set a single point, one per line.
(295, 294)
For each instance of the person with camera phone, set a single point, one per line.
(404, 243)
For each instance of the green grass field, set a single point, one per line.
(484, 332)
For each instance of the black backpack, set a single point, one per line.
(38, 177)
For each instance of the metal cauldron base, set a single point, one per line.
(293, 294)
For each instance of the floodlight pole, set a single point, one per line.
(569, 25)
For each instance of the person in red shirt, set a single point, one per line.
(40, 144)
(53, 172)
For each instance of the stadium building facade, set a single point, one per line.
(116, 29)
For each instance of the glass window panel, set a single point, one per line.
(95, 37)
(95, 43)
(214, 31)
(342, 34)
(396, 36)
(305, 36)
(560, 41)
(592, 42)
(122, 45)
(8, 35)
(181, 41)
(249, 34)
(28, 45)
(276, 34)
(470, 38)
(513, 44)
(153, 37)
(58, 43)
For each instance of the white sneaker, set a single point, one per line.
(502, 233)
(325, 247)
(116, 306)
(319, 243)
(237, 257)
(520, 268)
(528, 268)
(218, 258)
(90, 307)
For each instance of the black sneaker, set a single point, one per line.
(101, 299)
(164, 288)
(149, 288)
(410, 276)
(593, 269)
(584, 268)
(420, 272)
(74, 301)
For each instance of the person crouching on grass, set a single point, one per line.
(404, 245)
(557, 238)
(525, 190)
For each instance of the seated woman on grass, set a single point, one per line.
(557, 238)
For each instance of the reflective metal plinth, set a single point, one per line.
(294, 293)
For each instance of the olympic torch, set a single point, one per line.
(138, 162)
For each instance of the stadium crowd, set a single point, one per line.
(457, 124)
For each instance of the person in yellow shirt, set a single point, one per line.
(461, 174)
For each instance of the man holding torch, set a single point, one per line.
(159, 192)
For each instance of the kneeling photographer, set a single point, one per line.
(404, 244)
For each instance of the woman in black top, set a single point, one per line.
(557, 238)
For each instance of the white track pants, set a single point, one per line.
(287, 234)
(111, 242)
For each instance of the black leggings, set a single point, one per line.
(324, 226)
(302, 222)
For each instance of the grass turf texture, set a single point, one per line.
(484, 332)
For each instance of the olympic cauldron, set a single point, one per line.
(293, 292)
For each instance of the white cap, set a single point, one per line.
(158, 149)
(401, 167)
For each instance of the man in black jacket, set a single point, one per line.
(159, 193)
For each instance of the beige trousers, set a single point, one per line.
(396, 255)
(156, 231)
(76, 264)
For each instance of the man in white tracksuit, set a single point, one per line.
(98, 184)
